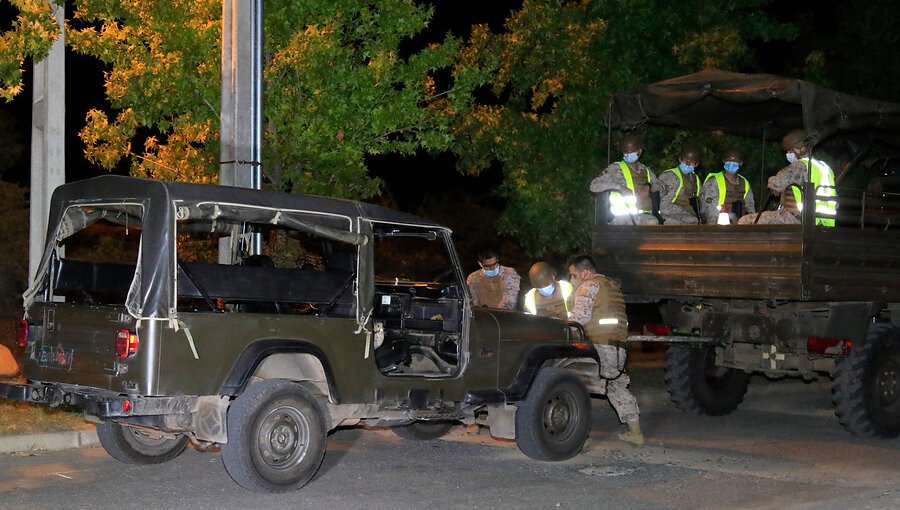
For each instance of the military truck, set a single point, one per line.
(801, 300)
(259, 321)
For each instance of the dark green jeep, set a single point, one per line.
(260, 321)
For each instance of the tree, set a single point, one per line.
(33, 32)
(338, 85)
(551, 74)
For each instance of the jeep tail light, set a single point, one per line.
(22, 333)
(126, 343)
(828, 346)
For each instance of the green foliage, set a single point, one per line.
(550, 75)
(336, 88)
(34, 31)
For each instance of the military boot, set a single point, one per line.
(634, 435)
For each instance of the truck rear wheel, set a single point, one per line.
(554, 420)
(424, 430)
(866, 387)
(134, 446)
(697, 385)
(276, 437)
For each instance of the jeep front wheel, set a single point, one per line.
(276, 437)
(554, 420)
(135, 446)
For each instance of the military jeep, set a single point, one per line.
(259, 321)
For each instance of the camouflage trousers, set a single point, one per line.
(779, 217)
(678, 216)
(612, 370)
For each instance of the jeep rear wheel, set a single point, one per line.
(276, 437)
(866, 387)
(424, 430)
(135, 446)
(554, 420)
(697, 385)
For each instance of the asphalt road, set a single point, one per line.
(777, 451)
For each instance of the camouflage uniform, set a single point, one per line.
(501, 291)
(709, 200)
(611, 178)
(795, 173)
(677, 211)
(612, 356)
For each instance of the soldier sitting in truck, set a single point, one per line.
(629, 183)
(788, 182)
(727, 196)
(679, 190)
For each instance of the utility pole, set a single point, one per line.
(48, 140)
(241, 108)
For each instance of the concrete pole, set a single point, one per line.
(48, 141)
(241, 114)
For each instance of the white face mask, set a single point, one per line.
(791, 157)
(631, 157)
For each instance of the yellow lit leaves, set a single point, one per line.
(33, 32)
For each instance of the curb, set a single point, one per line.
(48, 442)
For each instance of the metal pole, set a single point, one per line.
(241, 113)
(48, 141)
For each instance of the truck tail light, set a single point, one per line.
(22, 333)
(828, 346)
(126, 343)
(658, 329)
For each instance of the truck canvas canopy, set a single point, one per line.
(762, 106)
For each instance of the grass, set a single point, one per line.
(18, 417)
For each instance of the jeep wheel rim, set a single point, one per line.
(283, 438)
(559, 415)
(887, 383)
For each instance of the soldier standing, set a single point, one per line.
(600, 307)
(493, 286)
(726, 196)
(679, 188)
(548, 297)
(629, 183)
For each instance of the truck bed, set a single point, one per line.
(751, 262)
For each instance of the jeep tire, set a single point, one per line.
(697, 385)
(133, 446)
(276, 437)
(554, 420)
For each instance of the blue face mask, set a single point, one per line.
(546, 291)
(490, 273)
(791, 157)
(630, 157)
(732, 166)
(686, 168)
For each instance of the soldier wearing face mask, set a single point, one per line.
(788, 184)
(680, 188)
(493, 286)
(629, 183)
(726, 196)
(548, 297)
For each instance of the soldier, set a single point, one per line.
(726, 196)
(600, 307)
(679, 188)
(548, 297)
(494, 286)
(788, 184)
(629, 183)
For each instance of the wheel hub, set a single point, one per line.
(888, 383)
(283, 438)
(558, 414)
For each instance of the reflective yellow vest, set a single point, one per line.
(565, 289)
(720, 180)
(619, 205)
(823, 179)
